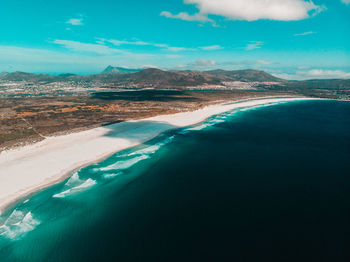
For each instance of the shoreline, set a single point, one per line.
(29, 169)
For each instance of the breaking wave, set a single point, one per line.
(17, 224)
(74, 180)
(151, 149)
(211, 122)
(79, 185)
(124, 161)
(258, 106)
(124, 164)
(222, 118)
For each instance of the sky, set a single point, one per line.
(294, 39)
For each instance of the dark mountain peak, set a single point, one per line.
(119, 70)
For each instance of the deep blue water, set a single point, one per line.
(269, 183)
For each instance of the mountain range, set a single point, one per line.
(156, 78)
(149, 75)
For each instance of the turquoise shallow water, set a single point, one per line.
(268, 182)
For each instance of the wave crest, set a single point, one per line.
(17, 224)
(83, 185)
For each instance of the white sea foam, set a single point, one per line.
(140, 155)
(15, 217)
(111, 175)
(147, 150)
(168, 140)
(120, 165)
(151, 149)
(85, 185)
(17, 224)
(74, 180)
(199, 127)
(216, 120)
(257, 107)
(221, 118)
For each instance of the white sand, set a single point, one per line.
(33, 167)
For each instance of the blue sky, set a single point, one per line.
(295, 39)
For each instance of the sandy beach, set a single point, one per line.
(31, 168)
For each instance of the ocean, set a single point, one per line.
(257, 184)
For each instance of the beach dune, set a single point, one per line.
(30, 168)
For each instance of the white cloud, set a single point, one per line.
(303, 67)
(177, 49)
(199, 17)
(200, 64)
(254, 45)
(124, 42)
(163, 46)
(212, 47)
(263, 62)
(75, 21)
(324, 74)
(346, 2)
(204, 63)
(132, 42)
(249, 10)
(149, 66)
(306, 33)
(229, 65)
(315, 74)
(87, 47)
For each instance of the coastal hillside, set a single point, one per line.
(248, 75)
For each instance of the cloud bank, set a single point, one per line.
(76, 46)
(249, 10)
(158, 45)
(315, 74)
(325, 74)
